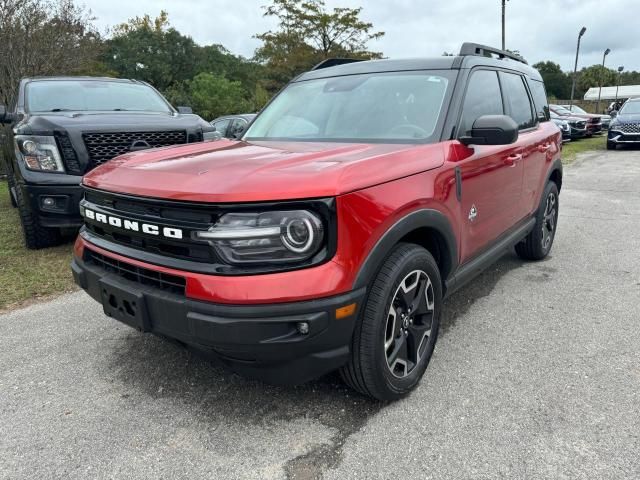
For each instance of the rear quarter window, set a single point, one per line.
(539, 100)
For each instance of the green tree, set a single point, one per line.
(594, 76)
(557, 83)
(308, 33)
(214, 95)
(151, 50)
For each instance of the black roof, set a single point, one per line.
(467, 59)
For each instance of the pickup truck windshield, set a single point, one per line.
(375, 107)
(92, 96)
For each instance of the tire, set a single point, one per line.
(373, 370)
(35, 235)
(611, 146)
(537, 244)
(11, 183)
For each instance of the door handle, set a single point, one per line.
(511, 160)
(544, 148)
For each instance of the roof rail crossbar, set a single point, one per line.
(485, 51)
(332, 62)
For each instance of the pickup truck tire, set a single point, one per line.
(611, 146)
(35, 235)
(398, 326)
(12, 183)
(538, 243)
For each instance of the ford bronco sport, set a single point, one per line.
(328, 235)
(62, 127)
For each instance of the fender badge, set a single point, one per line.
(473, 213)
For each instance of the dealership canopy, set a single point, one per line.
(609, 93)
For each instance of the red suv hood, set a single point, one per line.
(232, 171)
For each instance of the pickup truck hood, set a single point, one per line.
(47, 123)
(236, 171)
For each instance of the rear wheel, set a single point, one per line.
(538, 243)
(35, 235)
(398, 328)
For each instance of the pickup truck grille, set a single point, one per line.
(628, 127)
(104, 146)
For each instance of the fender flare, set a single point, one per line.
(556, 166)
(428, 218)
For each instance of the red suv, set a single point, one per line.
(328, 236)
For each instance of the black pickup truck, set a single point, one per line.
(62, 127)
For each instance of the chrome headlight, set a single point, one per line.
(266, 237)
(40, 153)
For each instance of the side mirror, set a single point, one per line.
(6, 117)
(185, 110)
(614, 113)
(492, 130)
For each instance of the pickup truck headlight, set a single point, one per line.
(40, 153)
(266, 237)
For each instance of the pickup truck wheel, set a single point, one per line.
(538, 243)
(35, 235)
(398, 328)
(11, 184)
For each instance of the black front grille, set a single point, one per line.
(105, 146)
(628, 127)
(143, 276)
(69, 156)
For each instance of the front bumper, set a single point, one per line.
(63, 213)
(616, 136)
(261, 341)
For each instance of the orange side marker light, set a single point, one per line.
(345, 311)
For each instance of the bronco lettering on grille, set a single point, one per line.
(133, 225)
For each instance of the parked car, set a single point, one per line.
(328, 236)
(564, 127)
(604, 119)
(625, 126)
(64, 127)
(577, 126)
(232, 126)
(594, 123)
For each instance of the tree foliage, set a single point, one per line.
(557, 83)
(39, 37)
(308, 33)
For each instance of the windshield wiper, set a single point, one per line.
(120, 110)
(60, 110)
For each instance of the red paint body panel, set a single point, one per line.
(233, 171)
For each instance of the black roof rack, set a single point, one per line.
(485, 51)
(332, 62)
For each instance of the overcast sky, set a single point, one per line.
(539, 29)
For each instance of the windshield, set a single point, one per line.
(576, 109)
(374, 107)
(560, 110)
(92, 95)
(630, 108)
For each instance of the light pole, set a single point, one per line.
(620, 69)
(504, 2)
(606, 52)
(575, 67)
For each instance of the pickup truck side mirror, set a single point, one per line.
(185, 110)
(6, 117)
(492, 130)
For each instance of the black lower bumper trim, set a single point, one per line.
(257, 340)
(62, 210)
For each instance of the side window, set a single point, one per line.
(221, 126)
(517, 100)
(482, 98)
(539, 100)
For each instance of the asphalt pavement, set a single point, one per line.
(536, 375)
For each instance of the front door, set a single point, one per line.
(491, 175)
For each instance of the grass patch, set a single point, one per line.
(27, 275)
(571, 150)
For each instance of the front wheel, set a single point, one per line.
(611, 146)
(537, 244)
(398, 328)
